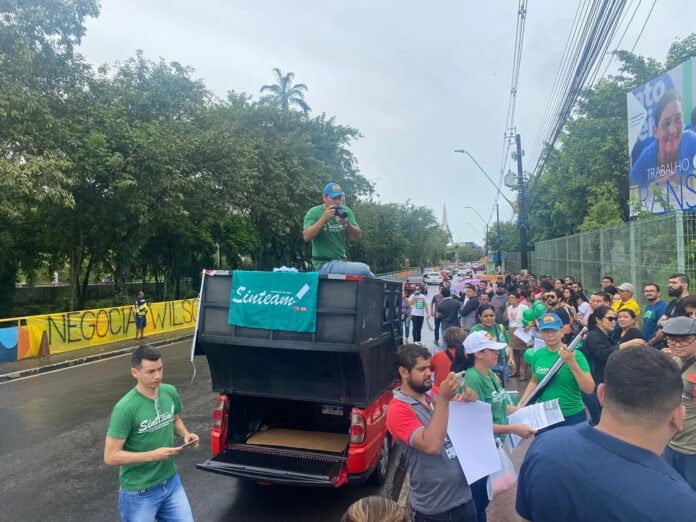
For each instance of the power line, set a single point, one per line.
(644, 24)
(571, 42)
(512, 100)
(618, 44)
(599, 27)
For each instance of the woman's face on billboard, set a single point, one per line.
(669, 129)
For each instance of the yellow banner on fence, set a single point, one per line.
(74, 330)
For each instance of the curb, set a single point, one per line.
(87, 358)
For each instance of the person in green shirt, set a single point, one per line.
(140, 440)
(484, 349)
(572, 378)
(328, 226)
(485, 316)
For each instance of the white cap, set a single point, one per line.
(628, 287)
(477, 341)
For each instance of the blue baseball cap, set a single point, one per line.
(550, 321)
(333, 190)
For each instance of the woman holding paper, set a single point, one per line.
(484, 350)
(572, 379)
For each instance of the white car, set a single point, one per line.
(432, 278)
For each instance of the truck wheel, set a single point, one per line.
(379, 475)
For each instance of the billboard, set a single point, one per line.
(662, 141)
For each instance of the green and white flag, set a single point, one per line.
(274, 300)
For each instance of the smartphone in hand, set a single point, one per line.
(188, 444)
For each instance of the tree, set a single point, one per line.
(509, 237)
(284, 93)
(467, 253)
(38, 71)
(584, 184)
(136, 171)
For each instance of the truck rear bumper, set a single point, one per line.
(277, 466)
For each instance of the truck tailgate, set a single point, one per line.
(274, 465)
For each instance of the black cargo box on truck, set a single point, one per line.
(323, 383)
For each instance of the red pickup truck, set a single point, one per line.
(303, 408)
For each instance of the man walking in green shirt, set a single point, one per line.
(140, 440)
(328, 226)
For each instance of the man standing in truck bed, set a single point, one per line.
(328, 226)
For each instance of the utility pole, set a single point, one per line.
(522, 224)
(499, 258)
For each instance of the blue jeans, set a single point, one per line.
(406, 321)
(347, 268)
(684, 464)
(166, 503)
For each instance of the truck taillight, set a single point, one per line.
(219, 412)
(357, 427)
(218, 435)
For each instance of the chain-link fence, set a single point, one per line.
(647, 250)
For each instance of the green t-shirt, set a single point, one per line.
(499, 333)
(330, 242)
(146, 424)
(491, 391)
(563, 386)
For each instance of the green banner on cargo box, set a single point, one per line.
(274, 300)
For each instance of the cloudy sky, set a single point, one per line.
(417, 79)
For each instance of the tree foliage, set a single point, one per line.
(584, 184)
(284, 93)
(136, 171)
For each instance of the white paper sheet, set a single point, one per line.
(539, 415)
(523, 335)
(470, 428)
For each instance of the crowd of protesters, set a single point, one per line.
(627, 447)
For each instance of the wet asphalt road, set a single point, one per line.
(52, 429)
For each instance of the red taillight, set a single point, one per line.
(357, 427)
(218, 435)
(354, 278)
(219, 412)
(217, 419)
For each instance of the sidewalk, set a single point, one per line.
(15, 369)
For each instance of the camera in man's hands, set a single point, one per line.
(340, 212)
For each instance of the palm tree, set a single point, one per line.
(284, 93)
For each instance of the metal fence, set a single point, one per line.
(512, 263)
(647, 250)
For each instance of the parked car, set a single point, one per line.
(411, 283)
(297, 408)
(432, 278)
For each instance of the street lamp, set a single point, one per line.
(485, 223)
(497, 215)
(462, 151)
(473, 228)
